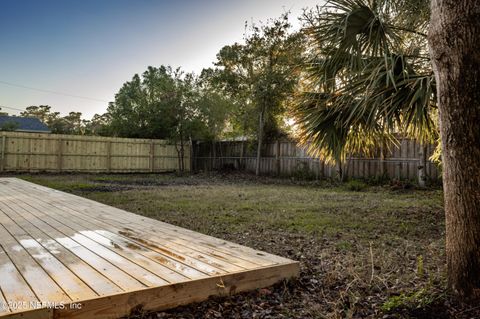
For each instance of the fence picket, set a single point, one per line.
(286, 158)
(35, 152)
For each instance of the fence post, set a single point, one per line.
(59, 154)
(2, 164)
(29, 156)
(242, 154)
(422, 165)
(152, 156)
(277, 158)
(109, 156)
(382, 161)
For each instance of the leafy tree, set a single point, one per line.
(98, 125)
(70, 124)
(185, 116)
(367, 75)
(145, 106)
(151, 106)
(57, 124)
(44, 113)
(73, 123)
(9, 126)
(217, 109)
(201, 114)
(218, 112)
(41, 112)
(260, 75)
(234, 78)
(168, 104)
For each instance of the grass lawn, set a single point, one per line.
(377, 252)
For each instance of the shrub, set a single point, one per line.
(355, 185)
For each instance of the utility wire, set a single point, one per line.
(51, 92)
(10, 108)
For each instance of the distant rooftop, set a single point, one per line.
(23, 124)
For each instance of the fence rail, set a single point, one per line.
(407, 160)
(34, 152)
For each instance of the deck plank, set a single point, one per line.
(171, 296)
(112, 261)
(194, 259)
(74, 287)
(143, 233)
(119, 277)
(162, 265)
(142, 275)
(17, 292)
(211, 245)
(39, 280)
(98, 282)
(4, 308)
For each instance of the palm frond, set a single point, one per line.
(365, 79)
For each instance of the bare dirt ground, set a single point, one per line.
(365, 251)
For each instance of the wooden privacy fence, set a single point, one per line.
(34, 152)
(285, 158)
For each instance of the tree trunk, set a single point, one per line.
(339, 170)
(260, 142)
(242, 154)
(182, 155)
(179, 157)
(193, 166)
(454, 40)
(182, 151)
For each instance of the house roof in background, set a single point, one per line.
(25, 124)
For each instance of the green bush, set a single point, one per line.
(355, 185)
(303, 172)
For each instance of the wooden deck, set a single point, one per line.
(64, 256)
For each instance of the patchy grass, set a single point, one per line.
(364, 251)
(215, 205)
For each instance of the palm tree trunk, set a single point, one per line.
(454, 39)
(339, 170)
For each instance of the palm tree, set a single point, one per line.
(366, 76)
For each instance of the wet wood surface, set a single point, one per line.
(64, 256)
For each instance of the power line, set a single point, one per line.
(10, 108)
(52, 92)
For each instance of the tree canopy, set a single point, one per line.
(72, 123)
(356, 74)
(260, 76)
(367, 76)
(166, 103)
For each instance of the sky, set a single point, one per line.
(77, 54)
